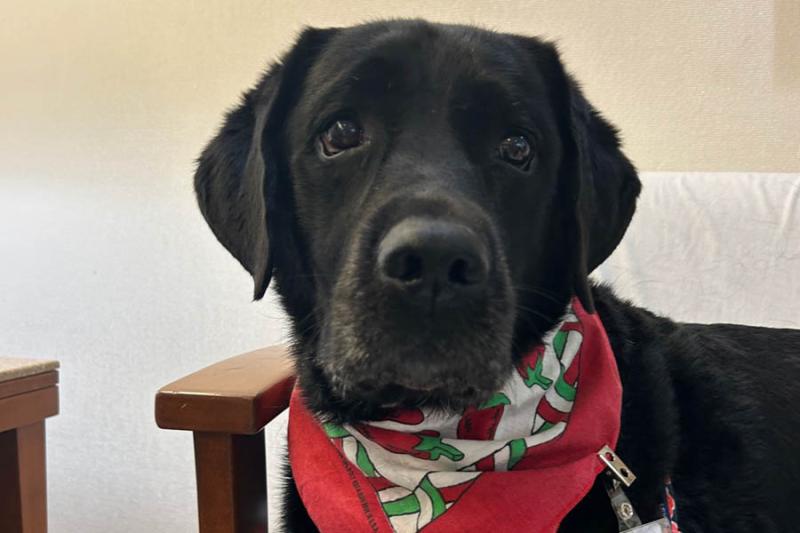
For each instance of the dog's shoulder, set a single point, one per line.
(711, 406)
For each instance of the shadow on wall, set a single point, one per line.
(786, 59)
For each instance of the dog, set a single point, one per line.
(427, 200)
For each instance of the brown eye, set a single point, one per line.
(516, 150)
(341, 135)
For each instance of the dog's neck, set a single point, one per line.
(559, 407)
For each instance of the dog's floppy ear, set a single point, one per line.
(235, 168)
(600, 184)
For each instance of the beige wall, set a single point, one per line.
(694, 85)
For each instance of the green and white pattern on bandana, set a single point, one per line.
(420, 466)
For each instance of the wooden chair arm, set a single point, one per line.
(238, 395)
(226, 406)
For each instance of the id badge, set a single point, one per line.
(659, 526)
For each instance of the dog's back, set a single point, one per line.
(739, 395)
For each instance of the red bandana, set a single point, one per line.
(521, 460)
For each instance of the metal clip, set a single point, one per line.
(623, 508)
(616, 466)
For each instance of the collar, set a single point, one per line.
(525, 457)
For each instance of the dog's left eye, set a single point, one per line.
(340, 136)
(516, 149)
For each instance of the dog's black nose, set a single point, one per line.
(433, 261)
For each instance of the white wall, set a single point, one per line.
(106, 264)
(125, 286)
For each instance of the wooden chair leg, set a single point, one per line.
(23, 485)
(231, 482)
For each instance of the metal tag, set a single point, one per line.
(659, 526)
(616, 466)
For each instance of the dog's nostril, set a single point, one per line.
(411, 268)
(459, 272)
(466, 272)
(405, 266)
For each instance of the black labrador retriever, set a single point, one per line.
(417, 188)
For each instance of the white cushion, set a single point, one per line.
(713, 247)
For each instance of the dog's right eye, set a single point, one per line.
(516, 150)
(340, 136)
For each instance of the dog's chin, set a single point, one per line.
(445, 399)
(382, 398)
(449, 377)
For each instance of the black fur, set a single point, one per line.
(712, 407)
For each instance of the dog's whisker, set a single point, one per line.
(538, 292)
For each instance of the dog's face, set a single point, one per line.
(429, 198)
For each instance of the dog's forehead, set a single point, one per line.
(375, 58)
(437, 45)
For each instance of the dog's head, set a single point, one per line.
(428, 198)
